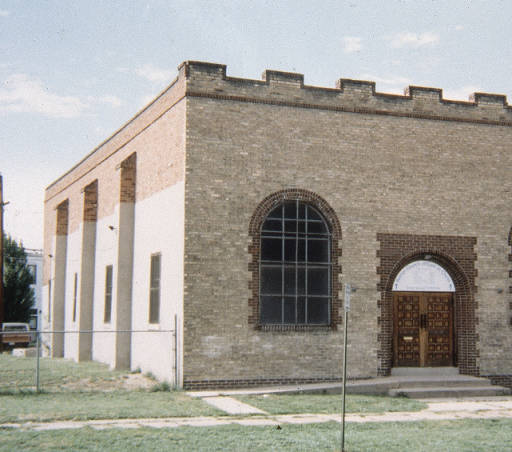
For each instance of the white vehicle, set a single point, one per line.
(16, 334)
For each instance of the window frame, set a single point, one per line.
(109, 280)
(154, 288)
(289, 224)
(330, 219)
(75, 296)
(32, 268)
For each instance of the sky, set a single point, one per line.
(72, 72)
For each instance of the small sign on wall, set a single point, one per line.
(348, 290)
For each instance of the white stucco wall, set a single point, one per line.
(159, 228)
(72, 267)
(103, 343)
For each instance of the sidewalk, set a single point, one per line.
(475, 408)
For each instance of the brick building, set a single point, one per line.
(240, 208)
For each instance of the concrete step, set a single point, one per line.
(423, 371)
(434, 386)
(382, 385)
(444, 392)
(438, 381)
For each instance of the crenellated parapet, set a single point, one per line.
(357, 96)
(198, 79)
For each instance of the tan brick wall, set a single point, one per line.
(414, 164)
(385, 164)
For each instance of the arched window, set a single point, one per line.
(295, 266)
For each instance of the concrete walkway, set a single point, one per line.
(232, 406)
(477, 408)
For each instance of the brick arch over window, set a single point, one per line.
(456, 255)
(259, 216)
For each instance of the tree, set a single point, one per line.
(18, 295)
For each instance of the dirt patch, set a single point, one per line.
(127, 382)
(137, 381)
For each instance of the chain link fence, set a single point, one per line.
(25, 364)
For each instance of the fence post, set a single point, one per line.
(38, 354)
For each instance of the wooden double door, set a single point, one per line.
(423, 329)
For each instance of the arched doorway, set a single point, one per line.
(457, 256)
(423, 316)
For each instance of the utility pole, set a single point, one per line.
(346, 306)
(2, 302)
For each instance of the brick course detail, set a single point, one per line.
(223, 384)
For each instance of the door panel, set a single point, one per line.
(407, 330)
(439, 330)
(423, 329)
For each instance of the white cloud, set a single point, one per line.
(415, 40)
(4, 13)
(390, 84)
(21, 93)
(351, 44)
(461, 93)
(154, 74)
(113, 101)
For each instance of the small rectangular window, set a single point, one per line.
(33, 272)
(108, 294)
(154, 289)
(75, 294)
(49, 300)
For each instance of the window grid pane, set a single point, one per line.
(295, 245)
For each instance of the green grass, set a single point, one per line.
(442, 436)
(56, 374)
(82, 391)
(96, 405)
(329, 403)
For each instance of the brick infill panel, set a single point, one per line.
(91, 202)
(128, 176)
(62, 218)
